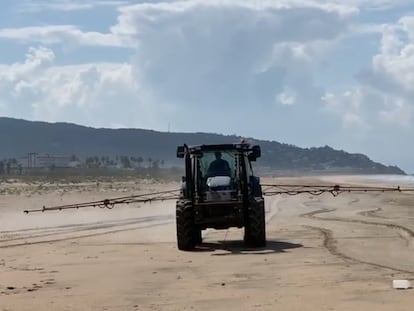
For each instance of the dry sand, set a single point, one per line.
(323, 253)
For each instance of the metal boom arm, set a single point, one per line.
(335, 190)
(268, 190)
(110, 203)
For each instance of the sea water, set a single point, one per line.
(395, 179)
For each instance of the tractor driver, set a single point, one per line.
(218, 167)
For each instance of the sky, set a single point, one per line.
(302, 72)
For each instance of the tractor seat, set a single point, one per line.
(217, 183)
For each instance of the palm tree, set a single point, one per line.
(140, 160)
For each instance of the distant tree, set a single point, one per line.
(90, 162)
(73, 158)
(155, 164)
(125, 161)
(140, 160)
(1, 168)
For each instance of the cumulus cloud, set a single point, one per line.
(101, 94)
(225, 60)
(395, 63)
(36, 59)
(388, 82)
(230, 59)
(381, 105)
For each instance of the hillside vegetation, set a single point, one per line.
(18, 137)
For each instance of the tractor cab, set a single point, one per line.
(219, 171)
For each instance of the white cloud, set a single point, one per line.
(135, 20)
(36, 59)
(286, 99)
(223, 60)
(389, 81)
(66, 35)
(392, 72)
(395, 64)
(378, 114)
(66, 5)
(93, 94)
(373, 4)
(348, 107)
(146, 15)
(230, 56)
(398, 112)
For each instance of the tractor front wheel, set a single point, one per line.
(187, 236)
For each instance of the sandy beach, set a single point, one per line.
(323, 252)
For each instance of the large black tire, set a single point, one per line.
(186, 229)
(255, 226)
(197, 235)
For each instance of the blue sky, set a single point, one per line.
(308, 72)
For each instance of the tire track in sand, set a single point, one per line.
(330, 243)
(89, 230)
(405, 232)
(66, 229)
(372, 213)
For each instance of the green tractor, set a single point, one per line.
(220, 191)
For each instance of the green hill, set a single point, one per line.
(18, 137)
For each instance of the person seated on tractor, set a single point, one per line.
(218, 167)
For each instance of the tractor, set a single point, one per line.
(219, 191)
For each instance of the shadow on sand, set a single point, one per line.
(239, 248)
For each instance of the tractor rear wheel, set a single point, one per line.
(197, 236)
(186, 229)
(255, 226)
